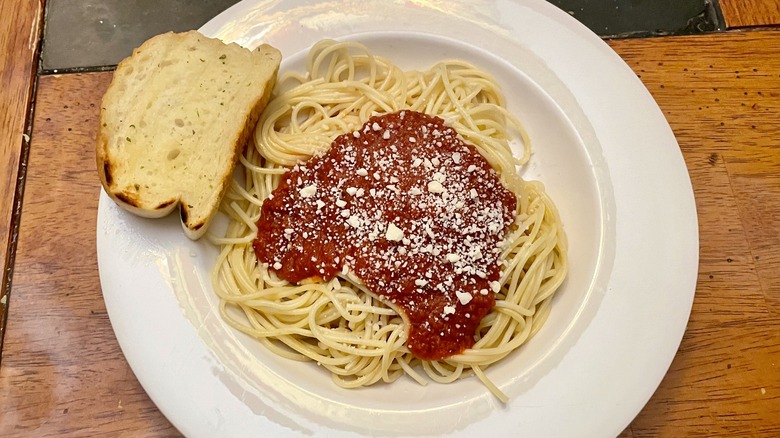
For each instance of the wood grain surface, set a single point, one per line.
(19, 31)
(747, 13)
(63, 371)
(721, 96)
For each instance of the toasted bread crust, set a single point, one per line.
(196, 172)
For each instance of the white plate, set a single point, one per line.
(607, 157)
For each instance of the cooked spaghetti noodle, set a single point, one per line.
(340, 324)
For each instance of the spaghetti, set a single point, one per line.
(342, 325)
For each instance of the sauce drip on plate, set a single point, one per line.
(408, 207)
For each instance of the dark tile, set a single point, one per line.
(92, 34)
(96, 33)
(632, 18)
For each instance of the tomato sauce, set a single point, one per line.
(408, 207)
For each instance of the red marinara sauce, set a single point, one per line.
(417, 214)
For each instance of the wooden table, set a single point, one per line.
(62, 370)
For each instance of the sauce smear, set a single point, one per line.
(408, 207)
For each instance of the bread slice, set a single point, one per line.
(174, 120)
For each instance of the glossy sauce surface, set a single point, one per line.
(410, 209)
